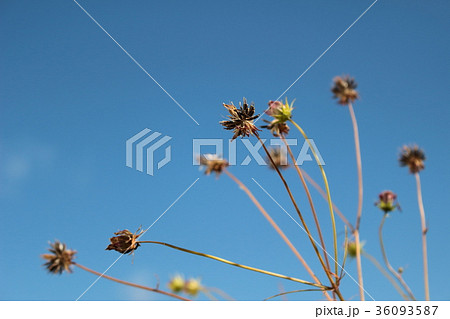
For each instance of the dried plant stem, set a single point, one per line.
(311, 203)
(358, 264)
(360, 200)
(330, 203)
(209, 295)
(358, 164)
(129, 283)
(424, 237)
(233, 263)
(220, 292)
(276, 227)
(386, 261)
(290, 292)
(386, 274)
(324, 195)
(305, 226)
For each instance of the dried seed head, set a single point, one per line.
(413, 157)
(176, 284)
(276, 128)
(387, 202)
(279, 158)
(213, 163)
(59, 259)
(344, 89)
(125, 242)
(193, 287)
(241, 119)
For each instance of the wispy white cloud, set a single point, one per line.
(18, 162)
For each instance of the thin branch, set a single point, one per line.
(291, 292)
(330, 205)
(358, 164)
(311, 203)
(233, 263)
(220, 292)
(324, 195)
(360, 200)
(327, 271)
(386, 260)
(129, 283)
(386, 274)
(424, 237)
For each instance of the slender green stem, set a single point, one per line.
(234, 264)
(386, 274)
(330, 203)
(311, 203)
(424, 237)
(327, 271)
(129, 283)
(344, 259)
(386, 260)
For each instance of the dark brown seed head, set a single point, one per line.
(59, 259)
(241, 119)
(413, 157)
(125, 241)
(344, 89)
(276, 127)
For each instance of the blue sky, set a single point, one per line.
(70, 98)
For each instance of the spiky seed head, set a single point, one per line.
(241, 119)
(60, 258)
(125, 241)
(281, 112)
(344, 89)
(413, 157)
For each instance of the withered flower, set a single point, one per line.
(279, 158)
(344, 89)
(387, 202)
(125, 242)
(413, 157)
(241, 119)
(276, 128)
(213, 163)
(59, 259)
